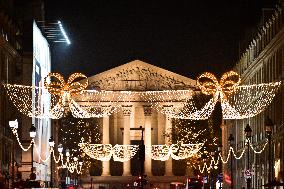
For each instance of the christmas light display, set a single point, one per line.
(65, 89)
(238, 102)
(183, 151)
(72, 130)
(249, 100)
(29, 100)
(71, 166)
(102, 152)
(213, 163)
(92, 103)
(123, 153)
(176, 151)
(158, 152)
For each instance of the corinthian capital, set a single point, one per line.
(126, 109)
(147, 110)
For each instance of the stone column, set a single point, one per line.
(126, 136)
(106, 164)
(168, 163)
(148, 138)
(161, 128)
(115, 129)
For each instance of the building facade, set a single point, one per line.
(10, 61)
(16, 67)
(123, 127)
(263, 62)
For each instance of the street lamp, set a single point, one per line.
(32, 135)
(60, 148)
(231, 141)
(67, 153)
(14, 126)
(212, 169)
(248, 136)
(204, 159)
(268, 129)
(51, 145)
(220, 165)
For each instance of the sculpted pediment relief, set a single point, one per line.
(139, 76)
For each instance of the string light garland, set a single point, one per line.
(242, 152)
(102, 152)
(158, 152)
(92, 103)
(31, 101)
(176, 151)
(71, 166)
(238, 102)
(214, 163)
(124, 153)
(184, 151)
(250, 100)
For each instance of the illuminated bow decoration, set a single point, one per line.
(62, 88)
(209, 84)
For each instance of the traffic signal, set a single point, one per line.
(141, 152)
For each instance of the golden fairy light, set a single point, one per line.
(122, 153)
(238, 102)
(34, 101)
(209, 84)
(65, 89)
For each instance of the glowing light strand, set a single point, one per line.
(71, 166)
(22, 98)
(123, 153)
(238, 102)
(15, 132)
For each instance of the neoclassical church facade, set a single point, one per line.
(124, 127)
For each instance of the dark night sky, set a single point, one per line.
(186, 37)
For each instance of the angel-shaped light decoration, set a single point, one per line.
(65, 90)
(84, 103)
(124, 153)
(58, 96)
(104, 152)
(47, 101)
(34, 101)
(238, 102)
(176, 151)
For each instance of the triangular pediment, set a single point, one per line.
(139, 76)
